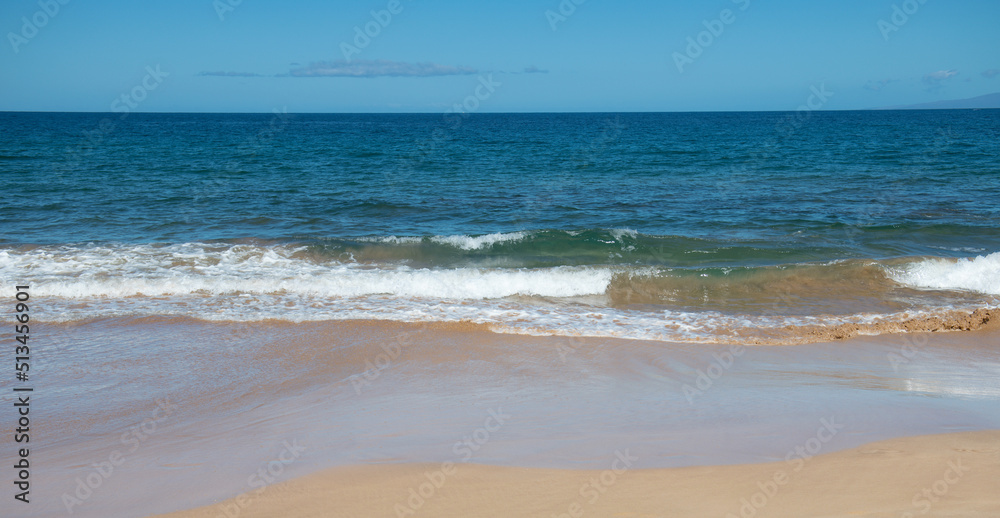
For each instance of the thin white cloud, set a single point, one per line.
(991, 73)
(359, 68)
(935, 80)
(231, 74)
(378, 68)
(936, 77)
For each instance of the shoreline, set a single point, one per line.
(980, 320)
(930, 475)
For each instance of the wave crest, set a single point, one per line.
(980, 274)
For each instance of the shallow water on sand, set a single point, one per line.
(378, 392)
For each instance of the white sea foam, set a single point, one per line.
(479, 242)
(503, 315)
(211, 270)
(619, 233)
(393, 240)
(293, 283)
(980, 274)
(460, 241)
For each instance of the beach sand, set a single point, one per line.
(935, 475)
(823, 472)
(864, 423)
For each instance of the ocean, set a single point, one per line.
(685, 227)
(210, 292)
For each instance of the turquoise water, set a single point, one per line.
(736, 220)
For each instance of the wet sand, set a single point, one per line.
(939, 475)
(376, 402)
(980, 319)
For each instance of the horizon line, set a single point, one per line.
(485, 112)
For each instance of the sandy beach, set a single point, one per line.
(935, 475)
(344, 418)
(816, 437)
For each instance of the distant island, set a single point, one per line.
(982, 102)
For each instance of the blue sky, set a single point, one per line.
(535, 55)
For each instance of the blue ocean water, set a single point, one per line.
(930, 175)
(739, 219)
